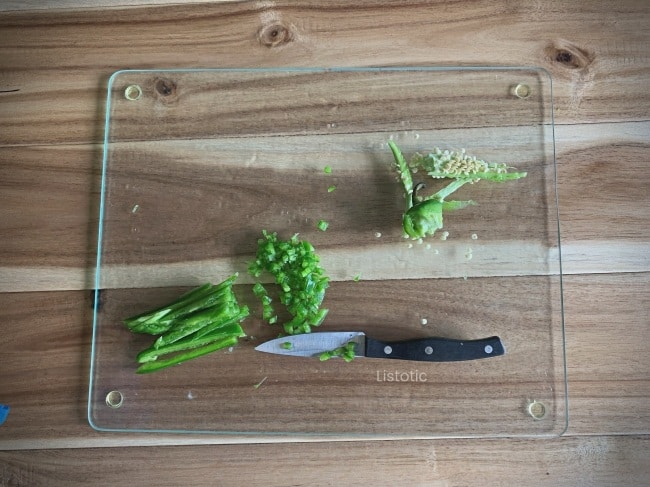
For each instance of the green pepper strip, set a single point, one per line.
(193, 323)
(209, 329)
(230, 330)
(184, 357)
(404, 172)
(160, 320)
(150, 322)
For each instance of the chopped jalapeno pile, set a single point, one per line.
(296, 269)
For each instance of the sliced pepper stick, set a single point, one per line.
(184, 357)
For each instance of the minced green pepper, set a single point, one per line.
(296, 269)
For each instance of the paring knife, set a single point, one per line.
(433, 349)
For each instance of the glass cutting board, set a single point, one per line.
(198, 162)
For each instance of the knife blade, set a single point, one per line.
(431, 349)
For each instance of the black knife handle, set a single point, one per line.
(435, 349)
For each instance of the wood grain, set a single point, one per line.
(60, 61)
(54, 68)
(47, 344)
(362, 398)
(49, 204)
(202, 104)
(595, 461)
(27, 5)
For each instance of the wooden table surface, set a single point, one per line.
(55, 60)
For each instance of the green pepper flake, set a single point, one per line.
(327, 170)
(287, 345)
(331, 189)
(259, 290)
(346, 352)
(357, 278)
(322, 225)
(257, 386)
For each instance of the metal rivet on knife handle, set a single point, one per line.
(388, 350)
(488, 349)
(428, 350)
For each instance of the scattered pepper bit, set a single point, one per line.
(322, 225)
(346, 352)
(327, 170)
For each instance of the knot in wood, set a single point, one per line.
(569, 55)
(165, 87)
(275, 34)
